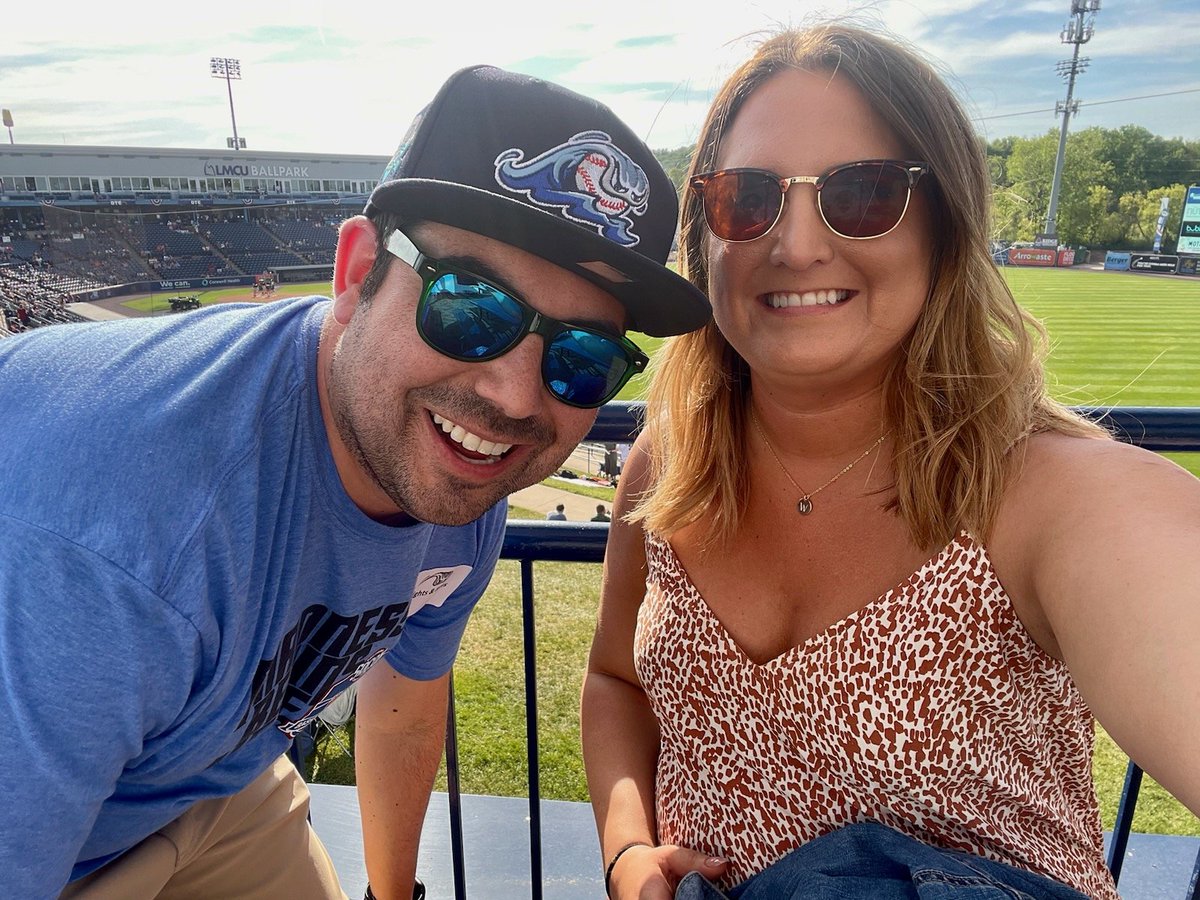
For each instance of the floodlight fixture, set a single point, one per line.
(224, 67)
(1068, 68)
(230, 70)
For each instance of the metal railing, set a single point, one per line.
(1162, 429)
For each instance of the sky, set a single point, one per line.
(346, 78)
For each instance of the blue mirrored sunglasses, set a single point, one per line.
(468, 318)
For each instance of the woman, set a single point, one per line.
(861, 567)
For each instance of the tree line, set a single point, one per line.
(1109, 198)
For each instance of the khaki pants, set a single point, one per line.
(255, 845)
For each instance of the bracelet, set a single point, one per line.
(613, 862)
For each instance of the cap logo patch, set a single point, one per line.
(396, 165)
(588, 179)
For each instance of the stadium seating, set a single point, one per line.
(255, 263)
(303, 236)
(157, 239)
(239, 237)
(27, 300)
(48, 255)
(23, 250)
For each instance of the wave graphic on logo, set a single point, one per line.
(588, 178)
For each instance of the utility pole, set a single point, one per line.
(231, 69)
(1077, 31)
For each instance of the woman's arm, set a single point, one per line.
(620, 734)
(1113, 551)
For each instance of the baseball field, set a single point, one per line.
(159, 303)
(1116, 339)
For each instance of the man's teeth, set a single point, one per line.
(808, 298)
(470, 441)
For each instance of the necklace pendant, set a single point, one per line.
(804, 507)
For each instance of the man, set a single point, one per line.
(559, 514)
(238, 511)
(601, 514)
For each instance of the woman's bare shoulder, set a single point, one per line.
(1052, 467)
(1086, 496)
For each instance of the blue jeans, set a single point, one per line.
(869, 861)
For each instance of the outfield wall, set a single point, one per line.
(1162, 263)
(151, 287)
(1041, 256)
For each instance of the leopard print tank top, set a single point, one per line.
(930, 710)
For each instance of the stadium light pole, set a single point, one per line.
(230, 70)
(1078, 31)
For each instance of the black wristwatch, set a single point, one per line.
(418, 891)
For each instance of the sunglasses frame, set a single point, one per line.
(914, 169)
(430, 270)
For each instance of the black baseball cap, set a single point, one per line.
(557, 174)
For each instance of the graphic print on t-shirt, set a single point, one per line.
(326, 652)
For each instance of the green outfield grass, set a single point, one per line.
(1116, 339)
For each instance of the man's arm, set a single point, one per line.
(399, 734)
(81, 684)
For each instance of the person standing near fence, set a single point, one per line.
(867, 582)
(238, 513)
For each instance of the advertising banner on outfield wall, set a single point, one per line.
(151, 287)
(1115, 261)
(1189, 227)
(1152, 262)
(1188, 265)
(1066, 257)
(1031, 256)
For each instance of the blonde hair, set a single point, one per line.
(968, 384)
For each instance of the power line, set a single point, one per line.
(1030, 112)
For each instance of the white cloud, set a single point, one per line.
(348, 77)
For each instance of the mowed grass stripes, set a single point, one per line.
(1116, 340)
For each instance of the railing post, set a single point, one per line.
(454, 794)
(1120, 833)
(531, 730)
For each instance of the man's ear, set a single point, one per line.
(355, 256)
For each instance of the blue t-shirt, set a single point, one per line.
(184, 582)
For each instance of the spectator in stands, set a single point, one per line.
(907, 575)
(559, 513)
(239, 512)
(601, 514)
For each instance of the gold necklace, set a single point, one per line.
(804, 505)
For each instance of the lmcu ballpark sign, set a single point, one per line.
(1189, 228)
(239, 170)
